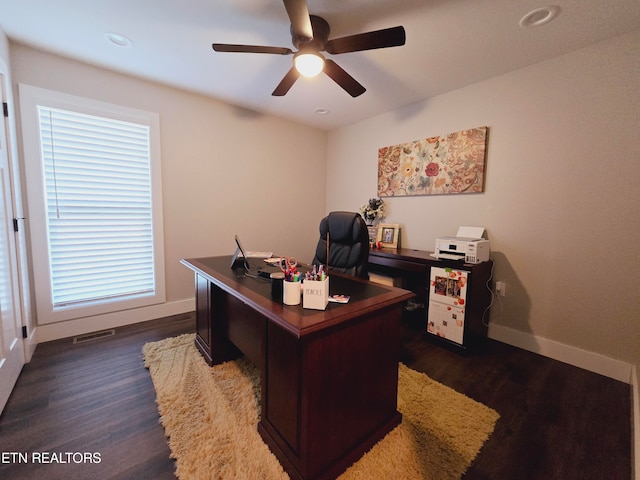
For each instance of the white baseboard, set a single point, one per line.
(30, 345)
(80, 326)
(594, 362)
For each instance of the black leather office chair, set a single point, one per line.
(348, 244)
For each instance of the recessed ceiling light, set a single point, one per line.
(118, 40)
(539, 16)
(321, 111)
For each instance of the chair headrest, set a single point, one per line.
(343, 227)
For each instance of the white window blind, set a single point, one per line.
(98, 200)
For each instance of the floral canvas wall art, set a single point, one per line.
(445, 164)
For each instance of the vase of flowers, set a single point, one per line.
(372, 211)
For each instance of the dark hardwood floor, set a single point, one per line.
(557, 421)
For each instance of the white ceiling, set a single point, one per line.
(450, 44)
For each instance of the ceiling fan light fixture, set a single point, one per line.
(308, 64)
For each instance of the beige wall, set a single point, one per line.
(562, 190)
(561, 186)
(225, 170)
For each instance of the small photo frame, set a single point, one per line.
(373, 233)
(388, 235)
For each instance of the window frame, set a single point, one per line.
(30, 98)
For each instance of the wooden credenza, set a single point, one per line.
(413, 267)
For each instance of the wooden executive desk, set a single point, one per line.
(329, 378)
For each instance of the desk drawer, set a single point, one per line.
(397, 264)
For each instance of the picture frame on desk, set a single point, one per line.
(373, 233)
(388, 235)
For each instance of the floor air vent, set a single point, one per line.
(93, 336)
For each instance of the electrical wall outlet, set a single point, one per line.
(501, 288)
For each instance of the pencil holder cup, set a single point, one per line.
(291, 293)
(315, 294)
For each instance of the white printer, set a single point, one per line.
(467, 245)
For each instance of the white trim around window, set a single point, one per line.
(60, 168)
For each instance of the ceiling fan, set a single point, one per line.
(310, 36)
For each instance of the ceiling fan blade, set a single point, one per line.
(299, 16)
(342, 78)
(388, 37)
(226, 47)
(286, 83)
